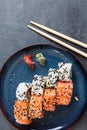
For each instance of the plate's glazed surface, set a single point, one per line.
(15, 71)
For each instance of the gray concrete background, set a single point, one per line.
(66, 16)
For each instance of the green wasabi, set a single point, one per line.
(41, 59)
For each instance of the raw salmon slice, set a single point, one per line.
(35, 107)
(49, 99)
(64, 90)
(21, 112)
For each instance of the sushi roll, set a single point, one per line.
(65, 71)
(64, 90)
(49, 98)
(35, 107)
(21, 91)
(21, 104)
(21, 112)
(64, 86)
(36, 100)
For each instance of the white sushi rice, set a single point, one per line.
(65, 71)
(52, 78)
(38, 85)
(21, 91)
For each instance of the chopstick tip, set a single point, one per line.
(31, 21)
(27, 25)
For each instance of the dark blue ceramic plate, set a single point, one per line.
(15, 71)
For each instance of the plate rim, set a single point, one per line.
(27, 48)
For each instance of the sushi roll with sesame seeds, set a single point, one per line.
(21, 105)
(64, 86)
(36, 100)
(65, 71)
(35, 107)
(64, 90)
(21, 112)
(49, 98)
(21, 91)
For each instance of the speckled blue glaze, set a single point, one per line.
(15, 71)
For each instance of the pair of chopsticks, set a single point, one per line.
(59, 35)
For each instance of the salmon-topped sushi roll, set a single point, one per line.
(35, 107)
(36, 100)
(49, 99)
(21, 112)
(64, 90)
(64, 86)
(49, 92)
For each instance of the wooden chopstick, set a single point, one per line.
(58, 41)
(60, 34)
